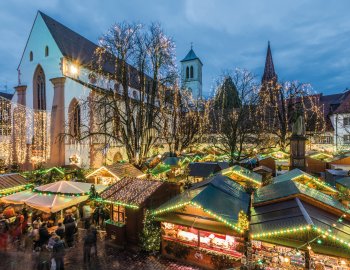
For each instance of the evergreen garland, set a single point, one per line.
(150, 236)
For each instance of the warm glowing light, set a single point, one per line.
(73, 69)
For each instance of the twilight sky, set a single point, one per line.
(310, 39)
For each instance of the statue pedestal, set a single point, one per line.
(297, 152)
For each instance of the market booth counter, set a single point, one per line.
(295, 226)
(205, 224)
(128, 201)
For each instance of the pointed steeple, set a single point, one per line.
(269, 71)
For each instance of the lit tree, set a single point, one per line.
(277, 102)
(129, 112)
(186, 120)
(234, 113)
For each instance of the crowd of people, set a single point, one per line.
(49, 245)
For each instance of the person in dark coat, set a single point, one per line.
(44, 235)
(93, 232)
(88, 243)
(58, 253)
(60, 230)
(70, 229)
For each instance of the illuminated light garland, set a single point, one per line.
(133, 206)
(9, 191)
(217, 217)
(324, 234)
(49, 193)
(318, 182)
(240, 173)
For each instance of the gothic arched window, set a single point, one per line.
(191, 72)
(187, 72)
(74, 118)
(31, 56)
(46, 51)
(39, 94)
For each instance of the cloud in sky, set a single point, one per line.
(310, 39)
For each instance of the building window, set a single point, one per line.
(187, 72)
(31, 56)
(75, 118)
(118, 213)
(46, 51)
(191, 72)
(324, 140)
(346, 139)
(346, 121)
(39, 89)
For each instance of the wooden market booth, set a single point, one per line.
(318, 162)
(243, 176)
(206, 222)
(128, 200)
(302, 177)
(295, 218)
(108, 175)
(198, 171)
(13, 182)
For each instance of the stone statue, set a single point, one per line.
(298, 122)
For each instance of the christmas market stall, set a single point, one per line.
(243, 176)
(318, 162)
(12, 183)
(128, 200)
(108, 175)
(306, 179)
(53, 197)
(205, 224)
(268, 162)
(264, 171)
(341, 161)
(294, 226)
(201, 170)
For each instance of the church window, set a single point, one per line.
(46, 51)
(75, 118)
(191, 72)
(187, 72)
(39, 89)
(31, 56)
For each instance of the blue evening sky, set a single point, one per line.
(310, 39)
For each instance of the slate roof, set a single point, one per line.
(287, 189)
(131, 191)
(74, 46)
(290, 175)
(269, 70)
(296, 213)
(191, 56)
(219, 195)
(6, 95)
(203, 169)
(344, 182)
(12, 180)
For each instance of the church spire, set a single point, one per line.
(269, 71)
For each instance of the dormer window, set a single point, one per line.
(31, 56)
(46, 51)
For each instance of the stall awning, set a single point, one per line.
(243, 173)
(49, 203)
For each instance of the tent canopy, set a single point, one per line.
(49, 203)
(68, 187)
(53, 197)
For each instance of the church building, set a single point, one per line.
(191, 74)
(53, 78)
